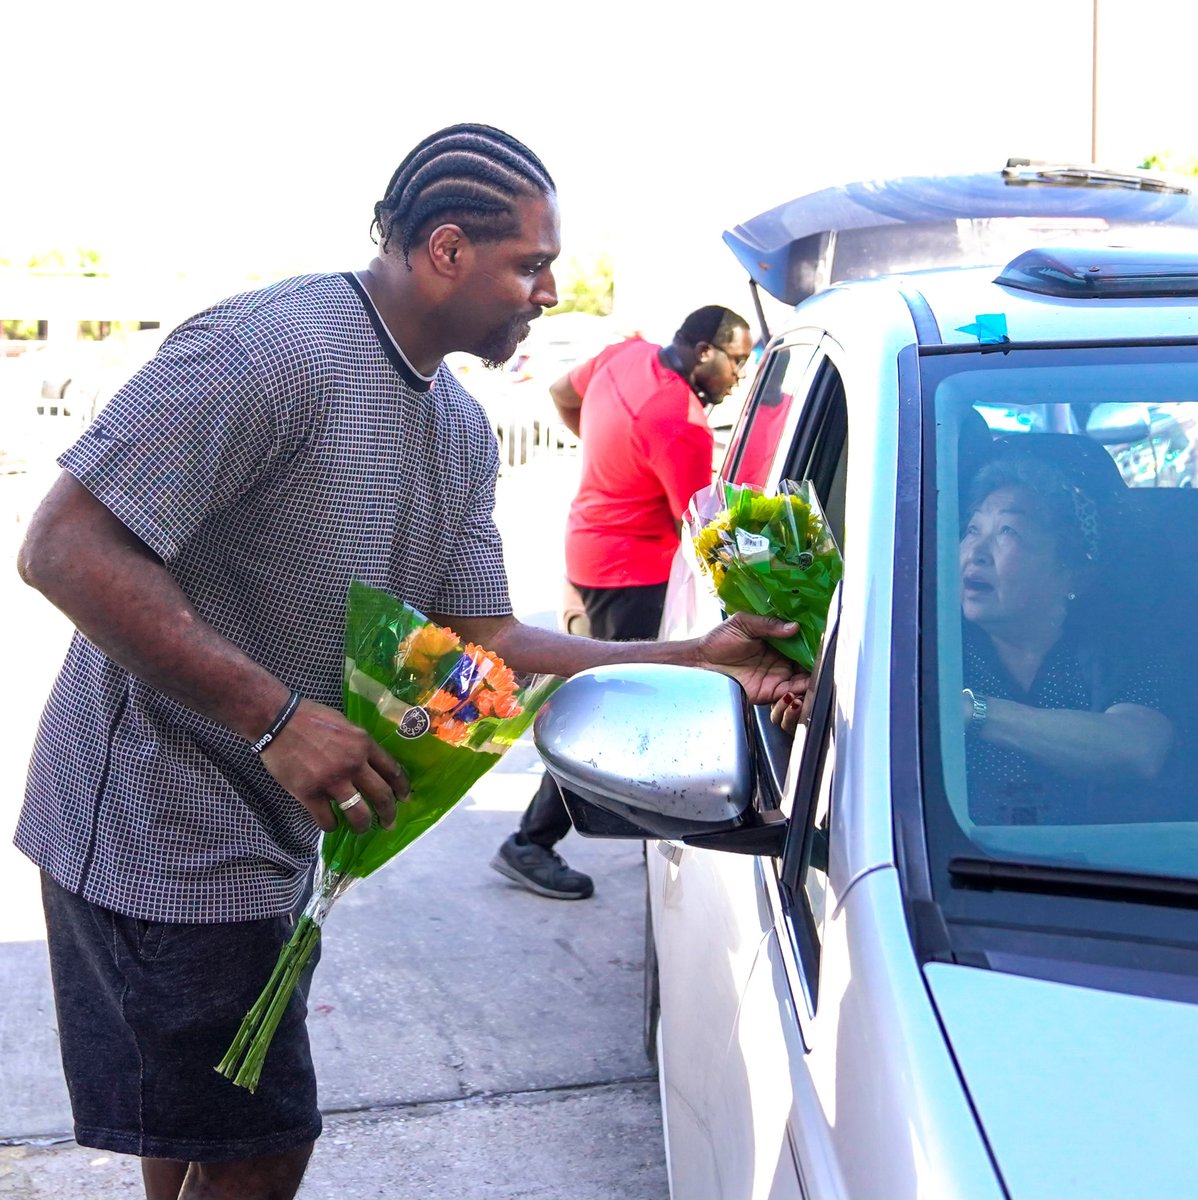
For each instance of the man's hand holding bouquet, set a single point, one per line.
(770, 556)
(445, 712)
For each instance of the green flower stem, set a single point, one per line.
(251, 1069)
(249, 1025)
(258, 1028)
(243, 1060)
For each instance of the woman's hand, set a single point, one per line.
(788, 712)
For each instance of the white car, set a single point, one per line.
(943, 941)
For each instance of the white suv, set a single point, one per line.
(943, 941)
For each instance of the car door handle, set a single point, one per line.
(670, 850)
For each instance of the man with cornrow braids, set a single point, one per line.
(202, 536)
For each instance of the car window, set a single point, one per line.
(817, 450)
(1061, 596)
(807, 915)
(769, 415)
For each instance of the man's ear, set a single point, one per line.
(446, 247)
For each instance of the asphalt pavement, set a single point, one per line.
(472, 1041)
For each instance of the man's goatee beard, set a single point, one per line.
(502, 344)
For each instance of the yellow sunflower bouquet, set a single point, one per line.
(771, 555)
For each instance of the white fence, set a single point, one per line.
(41, 414)
(525, 440)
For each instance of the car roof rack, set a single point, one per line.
(910, 223)
(1102, 273)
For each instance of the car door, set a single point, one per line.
(737, 944)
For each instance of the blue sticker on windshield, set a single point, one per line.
(988, 328)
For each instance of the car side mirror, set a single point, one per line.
(663, 749)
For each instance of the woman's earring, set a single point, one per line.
(1072, 595)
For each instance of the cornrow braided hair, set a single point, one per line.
(467, 175)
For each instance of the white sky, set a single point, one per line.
(228, 139)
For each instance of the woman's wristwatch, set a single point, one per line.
(979, 711)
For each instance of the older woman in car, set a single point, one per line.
(1062, 719)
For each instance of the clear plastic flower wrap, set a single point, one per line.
(771, 555)
(447, 712)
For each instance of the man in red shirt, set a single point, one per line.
(641, 413)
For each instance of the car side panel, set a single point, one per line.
(709, 923)
(761, 1100)
(891, 1096)
(787, 1152)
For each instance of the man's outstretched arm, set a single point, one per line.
(735, 648)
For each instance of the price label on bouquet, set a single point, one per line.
(754, 550)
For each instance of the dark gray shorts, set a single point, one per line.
(145, 1012)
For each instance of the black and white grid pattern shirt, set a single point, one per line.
(278, 446)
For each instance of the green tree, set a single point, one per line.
(22, 331)
(80, 260)
(1175, 164)
(586, 285)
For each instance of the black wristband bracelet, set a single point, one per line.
(285, 715)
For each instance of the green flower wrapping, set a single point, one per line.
(446, 712)
(770, 555)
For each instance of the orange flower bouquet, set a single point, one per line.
(447, 712)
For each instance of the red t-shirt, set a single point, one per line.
(646, 450)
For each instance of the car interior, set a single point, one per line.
(1148, 587)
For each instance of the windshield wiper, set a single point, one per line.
(1023, 171)
(994, 874)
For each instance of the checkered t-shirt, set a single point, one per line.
(278, 446)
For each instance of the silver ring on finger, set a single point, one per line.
(346, 805)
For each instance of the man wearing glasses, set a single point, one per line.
(641, 413)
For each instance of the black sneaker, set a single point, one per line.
(541, 870)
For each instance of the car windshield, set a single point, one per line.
(1061, 579)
